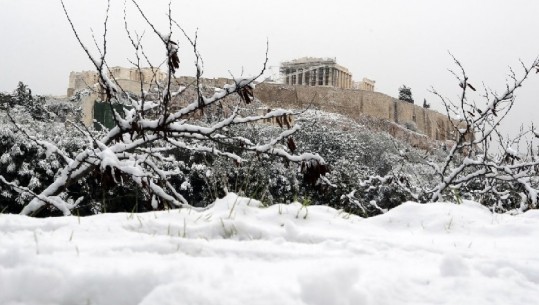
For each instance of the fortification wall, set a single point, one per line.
(356, 103)
(132, 85)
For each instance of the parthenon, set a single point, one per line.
(310, 71)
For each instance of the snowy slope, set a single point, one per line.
(239, 253)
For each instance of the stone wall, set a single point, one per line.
(128, 78)
(356, 103)
(350, 102)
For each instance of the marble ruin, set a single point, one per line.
(308, 81)
(129, 79)
(365, 85)
(310, 71)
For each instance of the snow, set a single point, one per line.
(240, 252)
(512, 151)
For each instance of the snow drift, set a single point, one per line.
(239, 252)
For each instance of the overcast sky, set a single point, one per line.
(394, 42)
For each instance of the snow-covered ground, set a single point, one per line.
(239, 253)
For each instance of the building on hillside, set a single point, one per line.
(86, 86)
(365, 85)
(127, 78)
(80, 81)
(410, 120)
(310, 71)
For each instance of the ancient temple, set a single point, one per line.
(310, 71)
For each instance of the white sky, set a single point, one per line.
(394, 42)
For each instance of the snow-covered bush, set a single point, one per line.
(362, 166)
(370, 172)
(23, 161)
(138, 151)
(483, 164)
(183, 146)
(411, 126)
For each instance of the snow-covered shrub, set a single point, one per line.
(483, 163)
(411, 126)
(22, 160)
(138, 149)
(370, 171)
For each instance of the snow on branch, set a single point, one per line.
(142, 142)
(480, 155)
